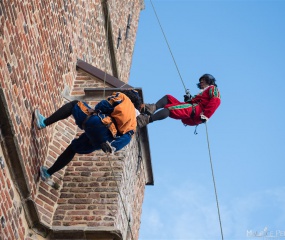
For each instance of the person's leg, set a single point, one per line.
(81, 145)
(160, 115)
(162, 102)
(150, 108)
(60, 163)
(62, 113)
(62, 160)
(144, 119)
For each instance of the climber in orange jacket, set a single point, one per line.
(109, 126)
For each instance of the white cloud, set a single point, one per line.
(190, 212)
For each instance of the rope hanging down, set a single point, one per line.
(187, 92)
(214, 182)
(117, 186)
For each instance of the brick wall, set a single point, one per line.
(40, 42)
(12, 221)
(124, 22)
(89, 195)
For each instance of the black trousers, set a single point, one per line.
(64, 112)
(163, 113)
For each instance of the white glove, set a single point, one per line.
(204, 118)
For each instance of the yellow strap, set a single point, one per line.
(107, 121)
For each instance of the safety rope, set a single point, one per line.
(104, 95)
(117, 185)
(165, 38)
(187, 92)
(214, 182)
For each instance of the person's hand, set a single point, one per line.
(107, 148)
(203, 118)
(187, 98)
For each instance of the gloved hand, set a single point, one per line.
(187, 98)
(107, 148)
(203, 118)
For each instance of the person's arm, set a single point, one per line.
(118, 143)
(214, 102)
(121, 141)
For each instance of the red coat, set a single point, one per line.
(205, 103)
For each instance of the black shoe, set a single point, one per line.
(142, 120)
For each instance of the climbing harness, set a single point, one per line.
(188, 94)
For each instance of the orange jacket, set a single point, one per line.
(117, 112)
(124, 112)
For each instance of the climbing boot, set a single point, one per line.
(149, 108)
(142, 120)
(39, 119)
(44, 174)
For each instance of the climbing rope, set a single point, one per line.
(165, 38)
(117, 186)
(187, 92)
(214, 182)
(104, 95)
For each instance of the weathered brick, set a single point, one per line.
(66, 195)
(79, 201)
(75, 213)
(40, 42)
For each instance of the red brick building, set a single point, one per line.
(52, 52)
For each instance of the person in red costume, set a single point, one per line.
(193, 111)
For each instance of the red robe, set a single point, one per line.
(204, 103)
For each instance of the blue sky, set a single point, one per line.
(241, 43)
